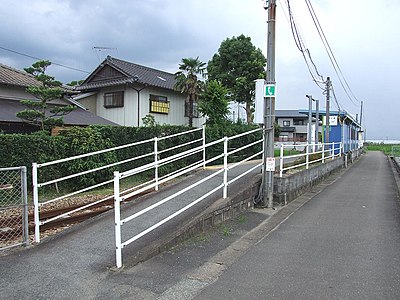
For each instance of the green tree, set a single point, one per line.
(187, 81)
(75, 82)
(47, 90)
(214, 102)
(236, 65)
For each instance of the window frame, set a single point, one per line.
(161, 102)
(115, 101)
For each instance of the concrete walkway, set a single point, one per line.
(343, 244)
(76, 263)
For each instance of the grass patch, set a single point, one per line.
(387, 149)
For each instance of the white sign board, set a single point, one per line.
(270, 166)
(333, 120)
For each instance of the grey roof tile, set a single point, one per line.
(133, 73)
(14, 77)
(9, 109)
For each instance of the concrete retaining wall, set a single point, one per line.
(286, 189)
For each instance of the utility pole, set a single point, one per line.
(328, 90)
(309, 119)
(266, 199)
(316, 123)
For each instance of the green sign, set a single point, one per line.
(270, 90)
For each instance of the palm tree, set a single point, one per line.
(187, 81)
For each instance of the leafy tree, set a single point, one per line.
(214, 102)
(75, 82)
(187, 81)
(236, 65)
(277, 130)
(48, 89)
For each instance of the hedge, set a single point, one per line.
(23, 150)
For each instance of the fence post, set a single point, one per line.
(156, 163)
(204, 145)
(281, 162)
(36, 202)
(340, 149)
(307, 155)
(24, 191)
(225, 191)
(117, 221)
(323, 153)
(333, 150)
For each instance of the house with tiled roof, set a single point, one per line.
(13, 84)
(125, 92)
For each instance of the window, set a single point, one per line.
(159, 104)
(298, 122)
(286, 123)
(114, 99)
(196, 113)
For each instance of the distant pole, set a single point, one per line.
(269, 111)
(309, 119)
(317, 122)
(328, 89)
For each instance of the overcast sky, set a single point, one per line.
(363, 35)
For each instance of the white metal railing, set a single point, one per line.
(327, 151)
(153, 183)
(118, 198)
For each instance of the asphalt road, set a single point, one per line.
(343, 244)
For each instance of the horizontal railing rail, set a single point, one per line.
(118, 198)
(310, 156)
(140, 158)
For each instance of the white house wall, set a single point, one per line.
(128, 114)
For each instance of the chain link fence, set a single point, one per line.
(13, 208)
(396, 151)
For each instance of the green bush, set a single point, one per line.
(23, 150)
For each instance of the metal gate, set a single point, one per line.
(13, 208)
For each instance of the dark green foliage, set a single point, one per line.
(214, 103)
(50, 89)
(85, 140)
(236, 65)
(23, 150)
(187, 81)
(229, 129)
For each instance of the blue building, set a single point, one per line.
(342, 128)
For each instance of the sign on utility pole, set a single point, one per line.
(265, 197)
(270, 89)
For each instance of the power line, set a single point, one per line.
(331, 55)
(299, 41)
(37, 58)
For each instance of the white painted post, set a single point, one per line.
(36, 202)
(156, 163)
(323, 153)
(333, 150)
(225, 191)
(117, 221)
(341, 149)
(204, 146)
(281, 162)
(307, 155)
(24, 192)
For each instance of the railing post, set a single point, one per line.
(156, 163)
(117, 221)
(225, 191)
(341, 149)
(281, 162)
(323, 153)
(24, 191)
(204, 145)
(36, 202)
(307, 155)
(333, 150)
